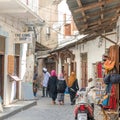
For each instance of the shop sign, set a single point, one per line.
(24, 37)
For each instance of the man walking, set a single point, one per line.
(45, 82)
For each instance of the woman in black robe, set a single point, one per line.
(52, 86)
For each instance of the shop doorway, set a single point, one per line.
(84, 69)
(1, 75)
(16, 71)
(50, 64)
(2, 52)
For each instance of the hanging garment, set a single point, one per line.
(99, 70)
(112, 103)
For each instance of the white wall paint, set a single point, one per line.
(32, 4)
(10, 26)
(23, 60)
(94, 54)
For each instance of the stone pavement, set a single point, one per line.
(43, 105)
(14, 108)
(42, 110)
(45, 110)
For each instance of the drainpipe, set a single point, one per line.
(64, 22)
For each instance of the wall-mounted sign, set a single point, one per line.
(14, 78)
(24, 37)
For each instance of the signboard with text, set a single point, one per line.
(24, 37)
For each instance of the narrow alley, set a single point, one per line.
(44, 42)
(45, 110)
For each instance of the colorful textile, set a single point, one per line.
(99, 70)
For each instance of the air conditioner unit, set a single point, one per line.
(48, 30)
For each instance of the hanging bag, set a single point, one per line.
(115, 78)
(106, 79)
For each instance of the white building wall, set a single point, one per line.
(10, 26)
(32, 4)
(29, 68)
(94, 54)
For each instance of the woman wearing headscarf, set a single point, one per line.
(52, 86)
(61, 85)
(72, 84)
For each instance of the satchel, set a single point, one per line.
(115, 78)
(106, 79)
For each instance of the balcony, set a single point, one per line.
(32, 4)
(19, 10)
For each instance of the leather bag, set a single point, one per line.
(115, 78)
(106, 79)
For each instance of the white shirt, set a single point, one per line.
(46, 78)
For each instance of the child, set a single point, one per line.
(61, 86)
(35, 87)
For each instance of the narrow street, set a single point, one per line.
(44, 110)
(38, 37)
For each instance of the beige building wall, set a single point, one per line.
(8, 28)
(48, 35)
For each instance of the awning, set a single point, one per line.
(40, 47)
(14, 78)
(43, 56)
(17, 9)
(94, 15)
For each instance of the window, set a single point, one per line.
(2, 44)
(17, 49)
(67, 29)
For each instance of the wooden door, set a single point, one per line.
(73, 67)
(16, 72)
(84, 69)
(1, 75)
(66, 72)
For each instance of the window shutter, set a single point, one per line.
(2, 45)
(67, 28)
(10, 64)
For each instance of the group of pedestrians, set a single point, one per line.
(54, 85)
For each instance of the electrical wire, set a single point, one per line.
(47, 22)
(48, 9)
